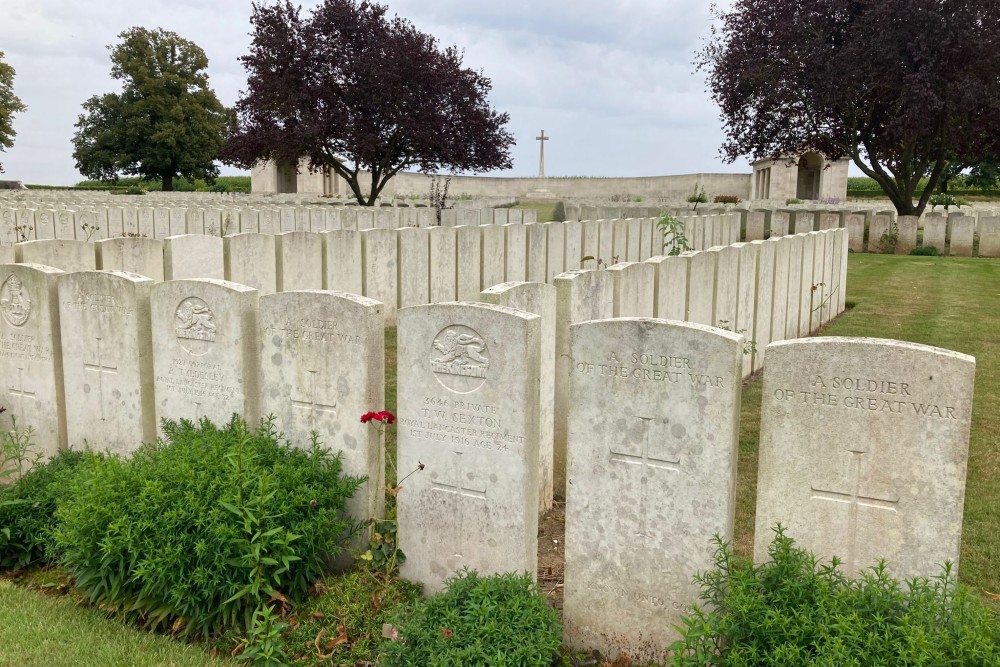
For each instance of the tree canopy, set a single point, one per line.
(352, 90)
(901, 87)
(166, 122)
(10, 104)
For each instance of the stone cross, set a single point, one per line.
(853, 499)
(645, 462)
(100, 369)
(459, 490)
(541, 153)
(20, 390)
(312, 405)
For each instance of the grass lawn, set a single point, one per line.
(44, 631)
(952, 303)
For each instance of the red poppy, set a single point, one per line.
(386, 416)
(368, 416)
(445, 633)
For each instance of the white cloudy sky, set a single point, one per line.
(611, 82)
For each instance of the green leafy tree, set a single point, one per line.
(10, 104)
(166, 121)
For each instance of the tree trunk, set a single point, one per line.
(168, 182)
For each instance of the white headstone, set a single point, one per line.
(193, 256)
(132, 255)
(540, 299)
(343, 260)
(250, 260)
(65, 255)
(205, 350)
(653, 435)
(31, 379)
(322, 357)
(442, 264)
(299, 261)
(414, 266)
(107, 360)
(468, 411)
(469, 258)
(863, 451)
(379, 254)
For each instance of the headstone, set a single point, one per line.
(634, 285)
(650, 239)
(961, 230)
(131, 255)
(443, 269)
(469, 241)
(701, 286)
(516, 252)
(653, 434)
(493, 255)
(468, 412)
(539, 299)
(161, 223)
(107, 360)
(727, 272)
(671, 276)
(581, 296)
(806, 283)
(746, 298)
(250, 260)
(556, 249)
(989, 236)
(906, 234)
(877, 231)
(414, 266)
(755, 226)
(322, 357)
(591, 247)
(792, 304)
(780, 223)
(856, 231)
(379, 258)
(935, 230)
(764, 300)
(537, 252)
(205, 350)
(31, 378)
(863, 451)
(343, 261)
(191, 256)
(65, 255)
(299, 258)
(572, 245)
(619, 230)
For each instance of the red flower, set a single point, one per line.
(386, 416)
(368, 416)
(445, 633)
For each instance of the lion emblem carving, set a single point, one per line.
(461, 348)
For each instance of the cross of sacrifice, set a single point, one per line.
(541, 139)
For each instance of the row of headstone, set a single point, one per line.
(102, 222)
(99, 358)
(863, 454)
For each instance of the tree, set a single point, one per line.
(352, 90)
(901, 87)
(166, 122)
(10, 104)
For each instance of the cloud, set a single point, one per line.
(612, 83)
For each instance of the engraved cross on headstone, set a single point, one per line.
(312, 405)
(459, 489)
(541, 139)
(100, 369)
(645, 462)
(854, 500)
(21, 391)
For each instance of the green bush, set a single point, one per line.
(199, 530)
(726, 199)
(792, 201)
(925, 250)
(28, 507)
(489, 621)
(794, 610)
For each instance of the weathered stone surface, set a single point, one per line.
(556, 250)
(343, 261)
(516, 252)
(746, 298)
(863, 451)
(107, 360)
(635, 286)
(132, 255)
(298, 261)
(189, 256)
(414, 266)
(539, 299)
(671, 276)
(764, 301)
(469, 248)
(205, 350)
(250, 260)
(442, 264)
(701, 286)
(30, 362)
(581, 296)
(468, 411)
(653, 433)
(322, 357)
(380, 255)
(537, 252)
(65, 255)
(493, 255)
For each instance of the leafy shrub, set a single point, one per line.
(28, 507)
(925, 250)
(201, 529)
(946, 200)
(792, 201)
(726, 199)
(698, 197)
(794, 610)
(496, 621)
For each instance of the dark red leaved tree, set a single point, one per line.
(353, 90)
(901, 87)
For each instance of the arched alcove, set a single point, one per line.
(810, 168)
